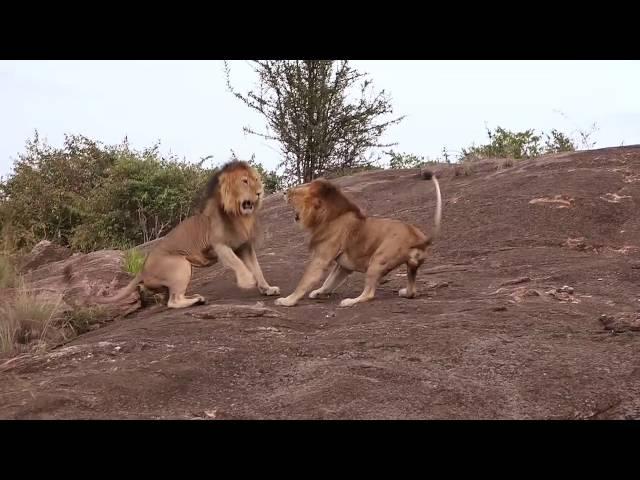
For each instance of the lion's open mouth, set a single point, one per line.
(247, 206)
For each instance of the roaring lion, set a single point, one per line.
(224, 230)
(341, 233)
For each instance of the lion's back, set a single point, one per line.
(188, 236)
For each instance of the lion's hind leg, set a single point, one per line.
(416, 257)
(381, 263)
(410, 291)
(372, 278)
(176, 275)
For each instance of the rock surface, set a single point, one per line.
(503, 340)
(43, 253)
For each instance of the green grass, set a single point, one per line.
(133, 261)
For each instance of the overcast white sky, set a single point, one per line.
(185, 104)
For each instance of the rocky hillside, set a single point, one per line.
(528, 308)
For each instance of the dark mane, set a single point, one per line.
(338, 202)
(213, 184)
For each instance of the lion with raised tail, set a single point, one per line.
(343, 236)
(224, 230)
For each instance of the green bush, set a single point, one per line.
(403, 160)
(271, 181)
(42, 199)
(90, 196)
(505, 143)
(409, 160)
(142, 199)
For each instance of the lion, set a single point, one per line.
(341, 234)
(224, 229)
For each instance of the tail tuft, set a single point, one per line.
(427, 174)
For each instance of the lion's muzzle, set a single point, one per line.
(247, 207)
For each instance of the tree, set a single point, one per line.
(308, 111)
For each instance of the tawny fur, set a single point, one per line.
(342, 236)
(224, 230)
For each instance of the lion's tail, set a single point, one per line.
(118, 297)
(428, 175)
(122, 293)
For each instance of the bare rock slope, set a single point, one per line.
(528, 308)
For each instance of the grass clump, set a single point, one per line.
(133, 261)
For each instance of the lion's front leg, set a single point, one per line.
(248, 256)
(312, 275)
(337, 276)
(229, 259)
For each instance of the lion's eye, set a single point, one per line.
(245, 181)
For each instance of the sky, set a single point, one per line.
(186, 106)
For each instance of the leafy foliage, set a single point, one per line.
(308, 110)
(88, 196)
(143, 198)
(505, 143)
(271, 181)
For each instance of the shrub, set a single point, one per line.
(89, 196)
(271, 181)
(142, 198)
(409, 160)
(505, 143)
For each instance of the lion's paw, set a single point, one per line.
(270, 291)
(403, 293)
(348, 302)
(285, 302)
